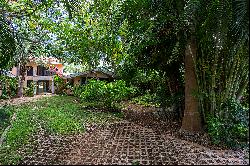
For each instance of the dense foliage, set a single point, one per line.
(108, 94)
(29, 90)
(60, 85)
(7, 43)
(231, 127)
(146, 100)
(9, 86)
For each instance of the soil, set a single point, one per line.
(21, 100)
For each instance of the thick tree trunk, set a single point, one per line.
(20, 87)
(191, 120)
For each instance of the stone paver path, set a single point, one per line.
(124, 143)
(127, 143)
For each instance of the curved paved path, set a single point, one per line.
(124, 143)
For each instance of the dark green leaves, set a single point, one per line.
(7, 43)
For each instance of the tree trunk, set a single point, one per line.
(21, 76)
(191, 120)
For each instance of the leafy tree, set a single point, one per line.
(7, 42)
(29, 38)
(198, 44)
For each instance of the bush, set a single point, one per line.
(77, 90)
(93, 91)
(109, 94)
(117, 91)
(230, 127)
(147, 100)
(60, 85)
(29, 91)
(9, 86)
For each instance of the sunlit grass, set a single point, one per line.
(57, 115)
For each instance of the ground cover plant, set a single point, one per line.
(146, 100)
(230, 129)
(5, 117)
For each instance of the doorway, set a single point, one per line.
(42, 86)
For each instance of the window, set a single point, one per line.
(29, 71)
(39, 70)
(43, 86)
(42, 71)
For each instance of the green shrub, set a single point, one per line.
(9, 86)
(29, 91)
(109, 94)
(231, 126)
(60, 85)
(147, 100)
(77, 90)
(93, 91)
(115, 92)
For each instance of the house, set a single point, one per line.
(40, 75)
(39, 72)
(81, 78)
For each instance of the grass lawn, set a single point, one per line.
(58, 115)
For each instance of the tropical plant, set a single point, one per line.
(195, 50)
(29, 90)
(59, 84)
(107, 94)
(9, 86)
(231, 127)
(221, 66)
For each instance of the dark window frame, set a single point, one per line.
(42, 71)
(30, 71)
